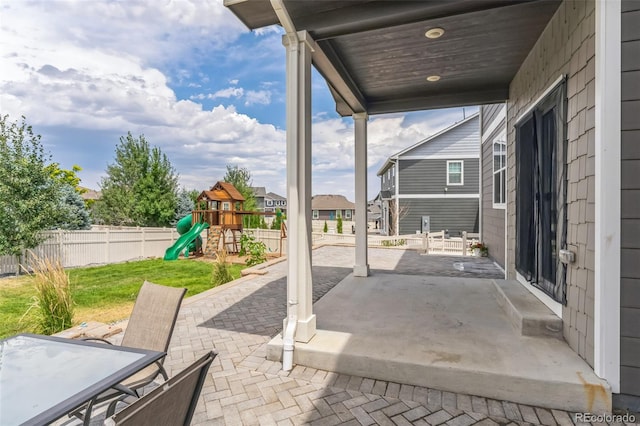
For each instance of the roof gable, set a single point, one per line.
(221, 191)
(460, 139)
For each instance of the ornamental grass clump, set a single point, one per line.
(52, 302)
(221, 269)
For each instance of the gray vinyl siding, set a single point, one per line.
(453, 214)
(390, 183)
(489, 113)
(458, 141)
(493, 220)
(430, 177)
(630, 185)
(326, 215)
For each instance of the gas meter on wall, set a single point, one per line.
(426, 224)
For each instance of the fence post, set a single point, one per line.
(443, 250)
(424, 243)
(107, 248)
(464, 243)
(142, 244)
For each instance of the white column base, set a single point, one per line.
(306, 329)
(361, 270)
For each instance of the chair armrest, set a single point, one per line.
(99, 339)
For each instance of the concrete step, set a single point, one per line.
(576, 389)
(527, 313)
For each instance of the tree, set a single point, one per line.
(395, 214)
(339, 225)
(185, 205)
(326, 227)
(240, 177)
(69, 177)
(73, 213)
(29, 197)
(140, 187)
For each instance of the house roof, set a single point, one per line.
(259, 191)
(221, 191)
(331, 202)
(375, 57)
(90, 194)
(275, 196)
(392, 159)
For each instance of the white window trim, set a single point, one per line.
(347, 214)
(502, 137)
(461, 173)
(226, 206)
(316, 214)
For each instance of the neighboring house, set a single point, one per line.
(273, 202)
(259, 193)
(569, 72)
(331, 207)
(374, 212)
(433, 185)
(493, 223)
(90, 194)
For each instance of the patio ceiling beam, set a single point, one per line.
(436, 100)
(335, 73)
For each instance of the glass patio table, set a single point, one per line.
(42, 378)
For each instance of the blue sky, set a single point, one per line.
(191, 78)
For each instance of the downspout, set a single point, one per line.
(289, 330)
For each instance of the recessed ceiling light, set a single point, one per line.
(433, 78)
(434, 33)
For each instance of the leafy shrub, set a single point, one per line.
(393, 243)
(52, 302)
(255, 250)
(221, 270)
(326, 227)
(339, 225)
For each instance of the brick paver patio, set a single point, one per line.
(243, 388)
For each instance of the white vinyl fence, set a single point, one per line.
(103, 245)
(98, 246)
(434, 242)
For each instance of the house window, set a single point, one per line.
(455, 170)
(316, 214)
(338, 213)
(347, 214)
(226, 206)
(269, 202)
(500, 171)
(541, 188)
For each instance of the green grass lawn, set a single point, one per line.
(104, 293)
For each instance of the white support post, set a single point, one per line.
(299, 281)
(607, 193)
(361, 268)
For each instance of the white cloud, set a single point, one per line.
(273, 29)
(262, 97)
(229, 92)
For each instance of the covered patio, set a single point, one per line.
(388, 57)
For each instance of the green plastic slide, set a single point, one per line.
(173, 252)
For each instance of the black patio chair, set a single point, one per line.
(172, 403)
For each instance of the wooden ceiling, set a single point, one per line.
(375, 57)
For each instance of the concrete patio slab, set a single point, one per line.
(444, 333)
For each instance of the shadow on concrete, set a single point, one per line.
(414, 263)
(262, 311)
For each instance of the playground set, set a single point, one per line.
(221, 217)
